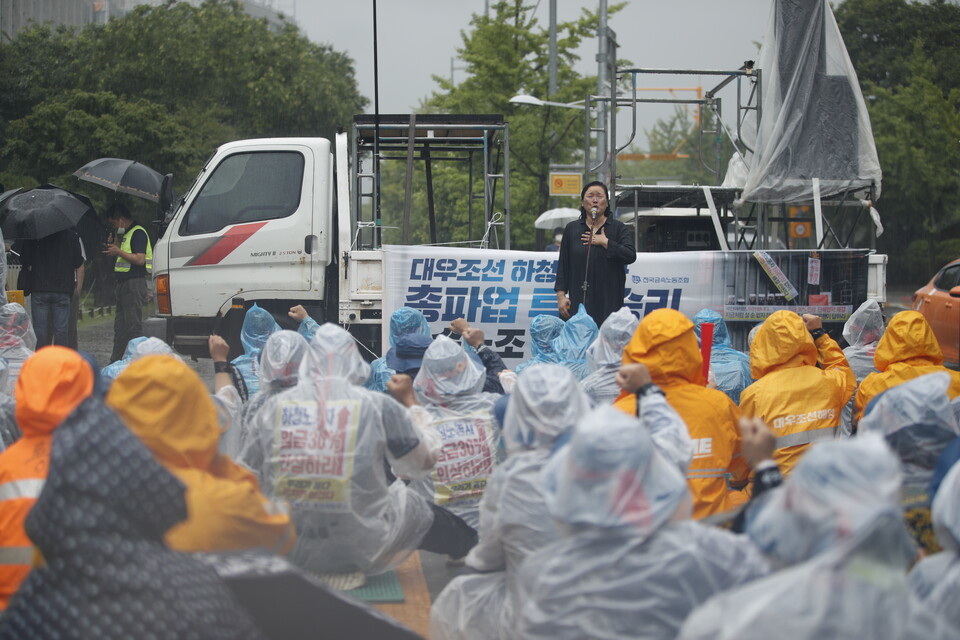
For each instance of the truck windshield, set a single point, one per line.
(246, 187)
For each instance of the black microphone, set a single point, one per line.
(593, 213)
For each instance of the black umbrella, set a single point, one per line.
(123, 176)
(41, 212)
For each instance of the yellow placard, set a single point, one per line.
(565, 184)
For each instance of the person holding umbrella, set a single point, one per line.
(134, 261)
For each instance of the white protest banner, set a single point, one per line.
(501, 292)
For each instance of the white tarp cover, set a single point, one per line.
(814, 121)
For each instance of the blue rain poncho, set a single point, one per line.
(258, 325)
(403, 322)
(605, 356)
(936, 578)
(112, 370)
(731, 368)
(348, 517)
(631, 562)
(514, 521)
(571, 344)
(449, 386)
(862, 331)
(17, 341)
(836, 523)
(543, 330)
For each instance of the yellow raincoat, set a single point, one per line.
(907, 350)
(799, 400)
(168, 407)
(51, 384)
(666, 343)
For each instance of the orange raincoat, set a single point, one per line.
(51, 384)
(167, 406)
(800, 401)
(666, 343)
(907, 350)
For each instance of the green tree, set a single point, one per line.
(506, 53)
(164, 85)
(917, 129)
(880, 35)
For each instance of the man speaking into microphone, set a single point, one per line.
(594, 253)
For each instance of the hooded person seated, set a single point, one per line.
(51, 384)
(802, 383)
(279, 370)
(730, 367)
(907, 350)
(258, 325)
(17, 341)
(514, 521)
(665, 342)
(575, 337)
(918, 423)
(406, 356)
(99, 524)
(605, 356)
(936, 578)
(836, 525)
(543, 330)
(449, 386)
(164, 403)
(408, 329)
(113, 369)
(862, 331)
(323, 444)
(631, 562)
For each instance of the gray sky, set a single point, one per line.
(418, 38)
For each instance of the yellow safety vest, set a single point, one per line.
(122, 266)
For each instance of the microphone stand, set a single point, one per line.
(586, 268)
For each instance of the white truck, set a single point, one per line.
(286, 221)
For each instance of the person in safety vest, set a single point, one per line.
(164, 402)
(134, 263)
(801, 401)
(666, 343)
(51, 384)
(907, 350)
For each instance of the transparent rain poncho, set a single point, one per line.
(837, 521)
(543, 330)
(546, 402)
(917, 421)
(9, 430)
(936, 578)
(323, 445)
(258, 325)
(571, 344)
(814, 120)
(403, 322)
(449, 386)
(605, 356)
(17, 340)
(279, 367)
(731, 368)
(862, 331)
(631, 564)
